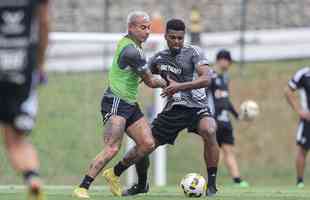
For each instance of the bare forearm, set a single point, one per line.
(154, 82)
(292, 100)
(158, 83)
(201, 82)
(233, 109)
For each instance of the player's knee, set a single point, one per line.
(212, 128)
(13, 141)
(209, 137)
(208, 132)
(208, 129)
(228, 154)
(148, 145)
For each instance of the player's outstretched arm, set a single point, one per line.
(233, 110)
(203, 80)
(153, 81)
(292, 100)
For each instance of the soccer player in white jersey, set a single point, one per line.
(301, 81)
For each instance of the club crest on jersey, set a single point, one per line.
(12, 22)
(220, 94)
(169, 68)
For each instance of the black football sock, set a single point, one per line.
(142, 167)
(300, 180)
(237, 180)
(86, 182)
(119, 168)
(30, 174)
(212, 171)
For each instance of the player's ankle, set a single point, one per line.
(237, 180)
(143, 186)
(300, 180)
(212, 172)
(30, 175)
(86, 182)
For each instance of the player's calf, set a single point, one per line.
(110, 151)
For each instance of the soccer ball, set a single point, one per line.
(249, 110)
(193, 185)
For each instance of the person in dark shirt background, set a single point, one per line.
(222, 107)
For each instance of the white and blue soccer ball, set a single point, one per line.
(193, 185)
(249, 110)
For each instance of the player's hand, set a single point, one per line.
(305, 115)
(171, 89)
(41, 77)
(163, 83)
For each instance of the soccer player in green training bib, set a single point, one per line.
(120, 110)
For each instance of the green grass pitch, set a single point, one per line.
(172, 193)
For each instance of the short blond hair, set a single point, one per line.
(132, 16)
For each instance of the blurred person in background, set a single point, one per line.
(300, 81)
(120, 111)
(157, 24)
(196, 26)
(24, 27)
(222, 107)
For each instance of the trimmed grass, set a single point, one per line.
(69, 130)
(172, 193)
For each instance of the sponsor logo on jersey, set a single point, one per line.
(166, 67)
(12, 22)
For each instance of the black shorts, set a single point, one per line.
(18, 106)
(167, 125)
(116, 106)
(303, 135)
(224, 133)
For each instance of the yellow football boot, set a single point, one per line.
(80, 193)
(113, 181)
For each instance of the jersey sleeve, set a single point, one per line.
(199, 57)
(134, 58)
(152, 64)
(296, 81)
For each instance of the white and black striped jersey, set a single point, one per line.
(301, 81)
(19, 37)
(181, 68)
